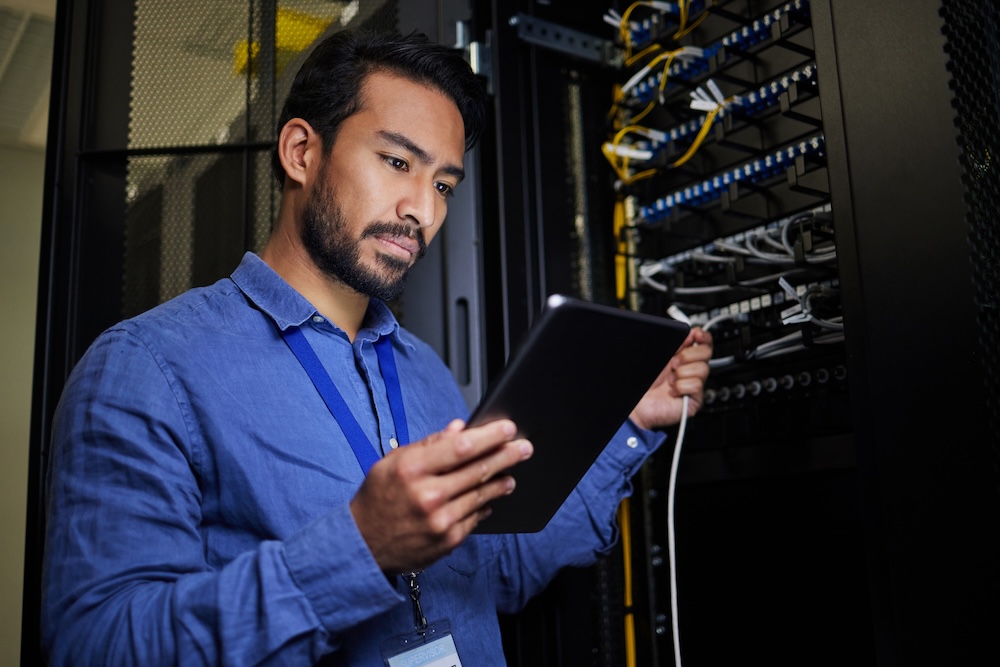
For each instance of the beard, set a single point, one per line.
(325, 236)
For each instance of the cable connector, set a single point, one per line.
(802, 310)
(717, 102)
(628, 151)
(678, 314)
(798, 313)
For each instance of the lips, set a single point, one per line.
(397, 242)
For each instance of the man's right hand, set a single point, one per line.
(421, 501)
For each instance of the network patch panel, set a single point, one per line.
(653, 145)
(725, 220)
(772, 26)
(711, 189)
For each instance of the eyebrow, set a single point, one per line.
(406, 143)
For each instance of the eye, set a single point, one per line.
(445, 189)
(396, 162)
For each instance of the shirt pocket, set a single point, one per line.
(465, 560)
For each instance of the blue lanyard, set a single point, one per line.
(363, 449)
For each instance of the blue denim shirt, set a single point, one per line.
(198, 495)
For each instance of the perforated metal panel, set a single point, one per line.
(25, 63)
(973, 33)
(208, 80)
(190, 218)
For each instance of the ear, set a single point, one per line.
(297, 144)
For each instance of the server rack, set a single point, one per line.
(822, 488)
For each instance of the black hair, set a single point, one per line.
(327, 88)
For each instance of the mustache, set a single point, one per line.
(396, 229)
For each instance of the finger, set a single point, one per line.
(463, 528)
(700, 336)
(487, 468)
(696, 336)
(474, 505)
(689, 387)
(454, 520)
(694, 353)
(694, 369)
(447, 450)
(691, 378)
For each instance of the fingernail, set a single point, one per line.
(526, 449)
(510, 484)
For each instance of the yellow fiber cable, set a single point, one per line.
(682, 7)
(623, 28)
(614, 113)
(642, 114)
(645, 52)
(625, 130)
(682, 31)
(620, 163)
(702, 133)
(666, 71)
(625, 524)
(620, 254)
(700, 137)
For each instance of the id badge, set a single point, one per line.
(434, 647)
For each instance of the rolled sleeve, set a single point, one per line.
(344, 590)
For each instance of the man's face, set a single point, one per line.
(381, 194)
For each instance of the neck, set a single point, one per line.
(334, 300)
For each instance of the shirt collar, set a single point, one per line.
(269, 292)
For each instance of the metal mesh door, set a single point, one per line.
(973, 33)
(207, 83)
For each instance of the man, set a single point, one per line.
(214, 501)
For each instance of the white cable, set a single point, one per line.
(749, 244)
(721, 317)
(647, 280)
(635, 79)
(612, 21)
(679, 315)
(708, 289)
(713, 289)
(700, 256)
(778, 347)
(671, 541)
(731, 247)
(786, 227)
(767, 236)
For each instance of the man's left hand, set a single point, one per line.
(684, 375)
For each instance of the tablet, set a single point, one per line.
(568, 387)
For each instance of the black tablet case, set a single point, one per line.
(569, 386)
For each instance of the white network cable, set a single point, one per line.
(780, 346)
(671, 541)
(679, 315)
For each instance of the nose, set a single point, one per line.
(419, 203)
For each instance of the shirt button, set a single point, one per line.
(393, 443)
(317, 318)
(632, 442)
